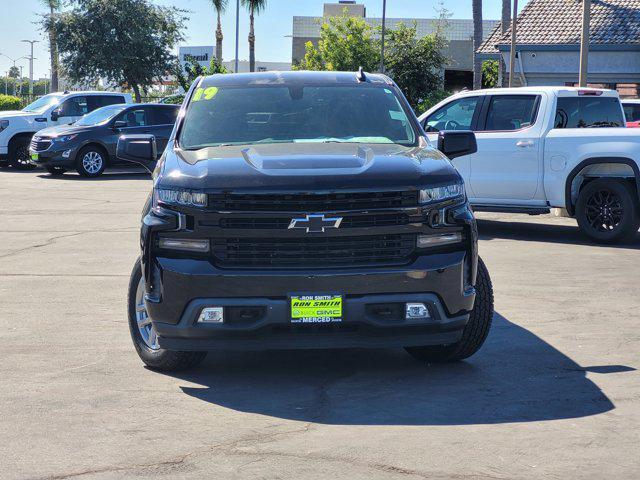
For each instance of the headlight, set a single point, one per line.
(184, 198)
(4, 124)
(438, 194)
(65, 138)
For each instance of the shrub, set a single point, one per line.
(9, 102)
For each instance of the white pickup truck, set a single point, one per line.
(548, 147)
(17, 127)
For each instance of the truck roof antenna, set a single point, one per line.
(361, 75)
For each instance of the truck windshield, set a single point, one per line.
(100, 115)
(219, 116)
(42, 104)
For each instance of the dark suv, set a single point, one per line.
(304, 210)
(89, 144)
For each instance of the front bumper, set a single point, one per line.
(63, 156)
(190, 285)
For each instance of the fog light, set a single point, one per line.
(211, 315)
(416, 311)
(425, 241)
(196, 245)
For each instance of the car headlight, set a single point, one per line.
(184, 198)
(439, 194)
(4, 124)
(65, 138)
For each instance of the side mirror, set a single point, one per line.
(56, 114)
(140, 149)
(118, 124)
(457, 143)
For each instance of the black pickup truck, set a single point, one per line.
(304, 210)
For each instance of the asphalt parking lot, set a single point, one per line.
(554, 393)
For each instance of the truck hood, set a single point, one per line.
(303, 167)
(25, 118)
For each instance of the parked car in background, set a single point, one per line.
(89, 145)
(632, 112)
(176, 99)
(17, 127)
(543, 147)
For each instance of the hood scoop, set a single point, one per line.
(330, 164)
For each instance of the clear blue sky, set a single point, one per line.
(272, 25)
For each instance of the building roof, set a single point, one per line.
(559, 22)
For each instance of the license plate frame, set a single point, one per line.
(316, 308)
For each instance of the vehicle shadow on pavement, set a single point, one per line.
(108, 175)
(540, 232)
(516, 377)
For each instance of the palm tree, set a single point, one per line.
(506, 22)
(53, 6)
(220, 6)
(477, 41)
(254, 6)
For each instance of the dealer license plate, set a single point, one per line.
(316, 308)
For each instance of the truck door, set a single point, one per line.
(459, 114)
(507, 166)
(69, 111)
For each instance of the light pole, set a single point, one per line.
(384, 27)
(21, 77)
(584, 42)
(512, 56)
(237, 31)
(32, 42)
(14, 64)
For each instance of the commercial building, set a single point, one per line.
(548, 44)
(459, 33)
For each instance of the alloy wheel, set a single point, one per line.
(604, 210)
(145, 327)
(92, 162)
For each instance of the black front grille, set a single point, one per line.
(40, 144)
(318, 252)
(312, 202)
(352, 221)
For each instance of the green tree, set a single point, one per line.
(254, 7)
(219, 6)
(14, 72)
(127, 42)
(346, 43)
(490, 73)
(416, 64)
(49, 24)
(186, 75)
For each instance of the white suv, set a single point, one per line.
(17, 127)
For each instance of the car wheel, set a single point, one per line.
(19, 156)
(143, 333)
(474, 333)
(4, 164)
(607, 211)
(91, 162)
(55, 170)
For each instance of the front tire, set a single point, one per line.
(91, 162)
(56, 171)
(19, 157)
(607, 211)
(474, 333)
(143, 334)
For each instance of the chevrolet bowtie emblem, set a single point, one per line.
(315, 223)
